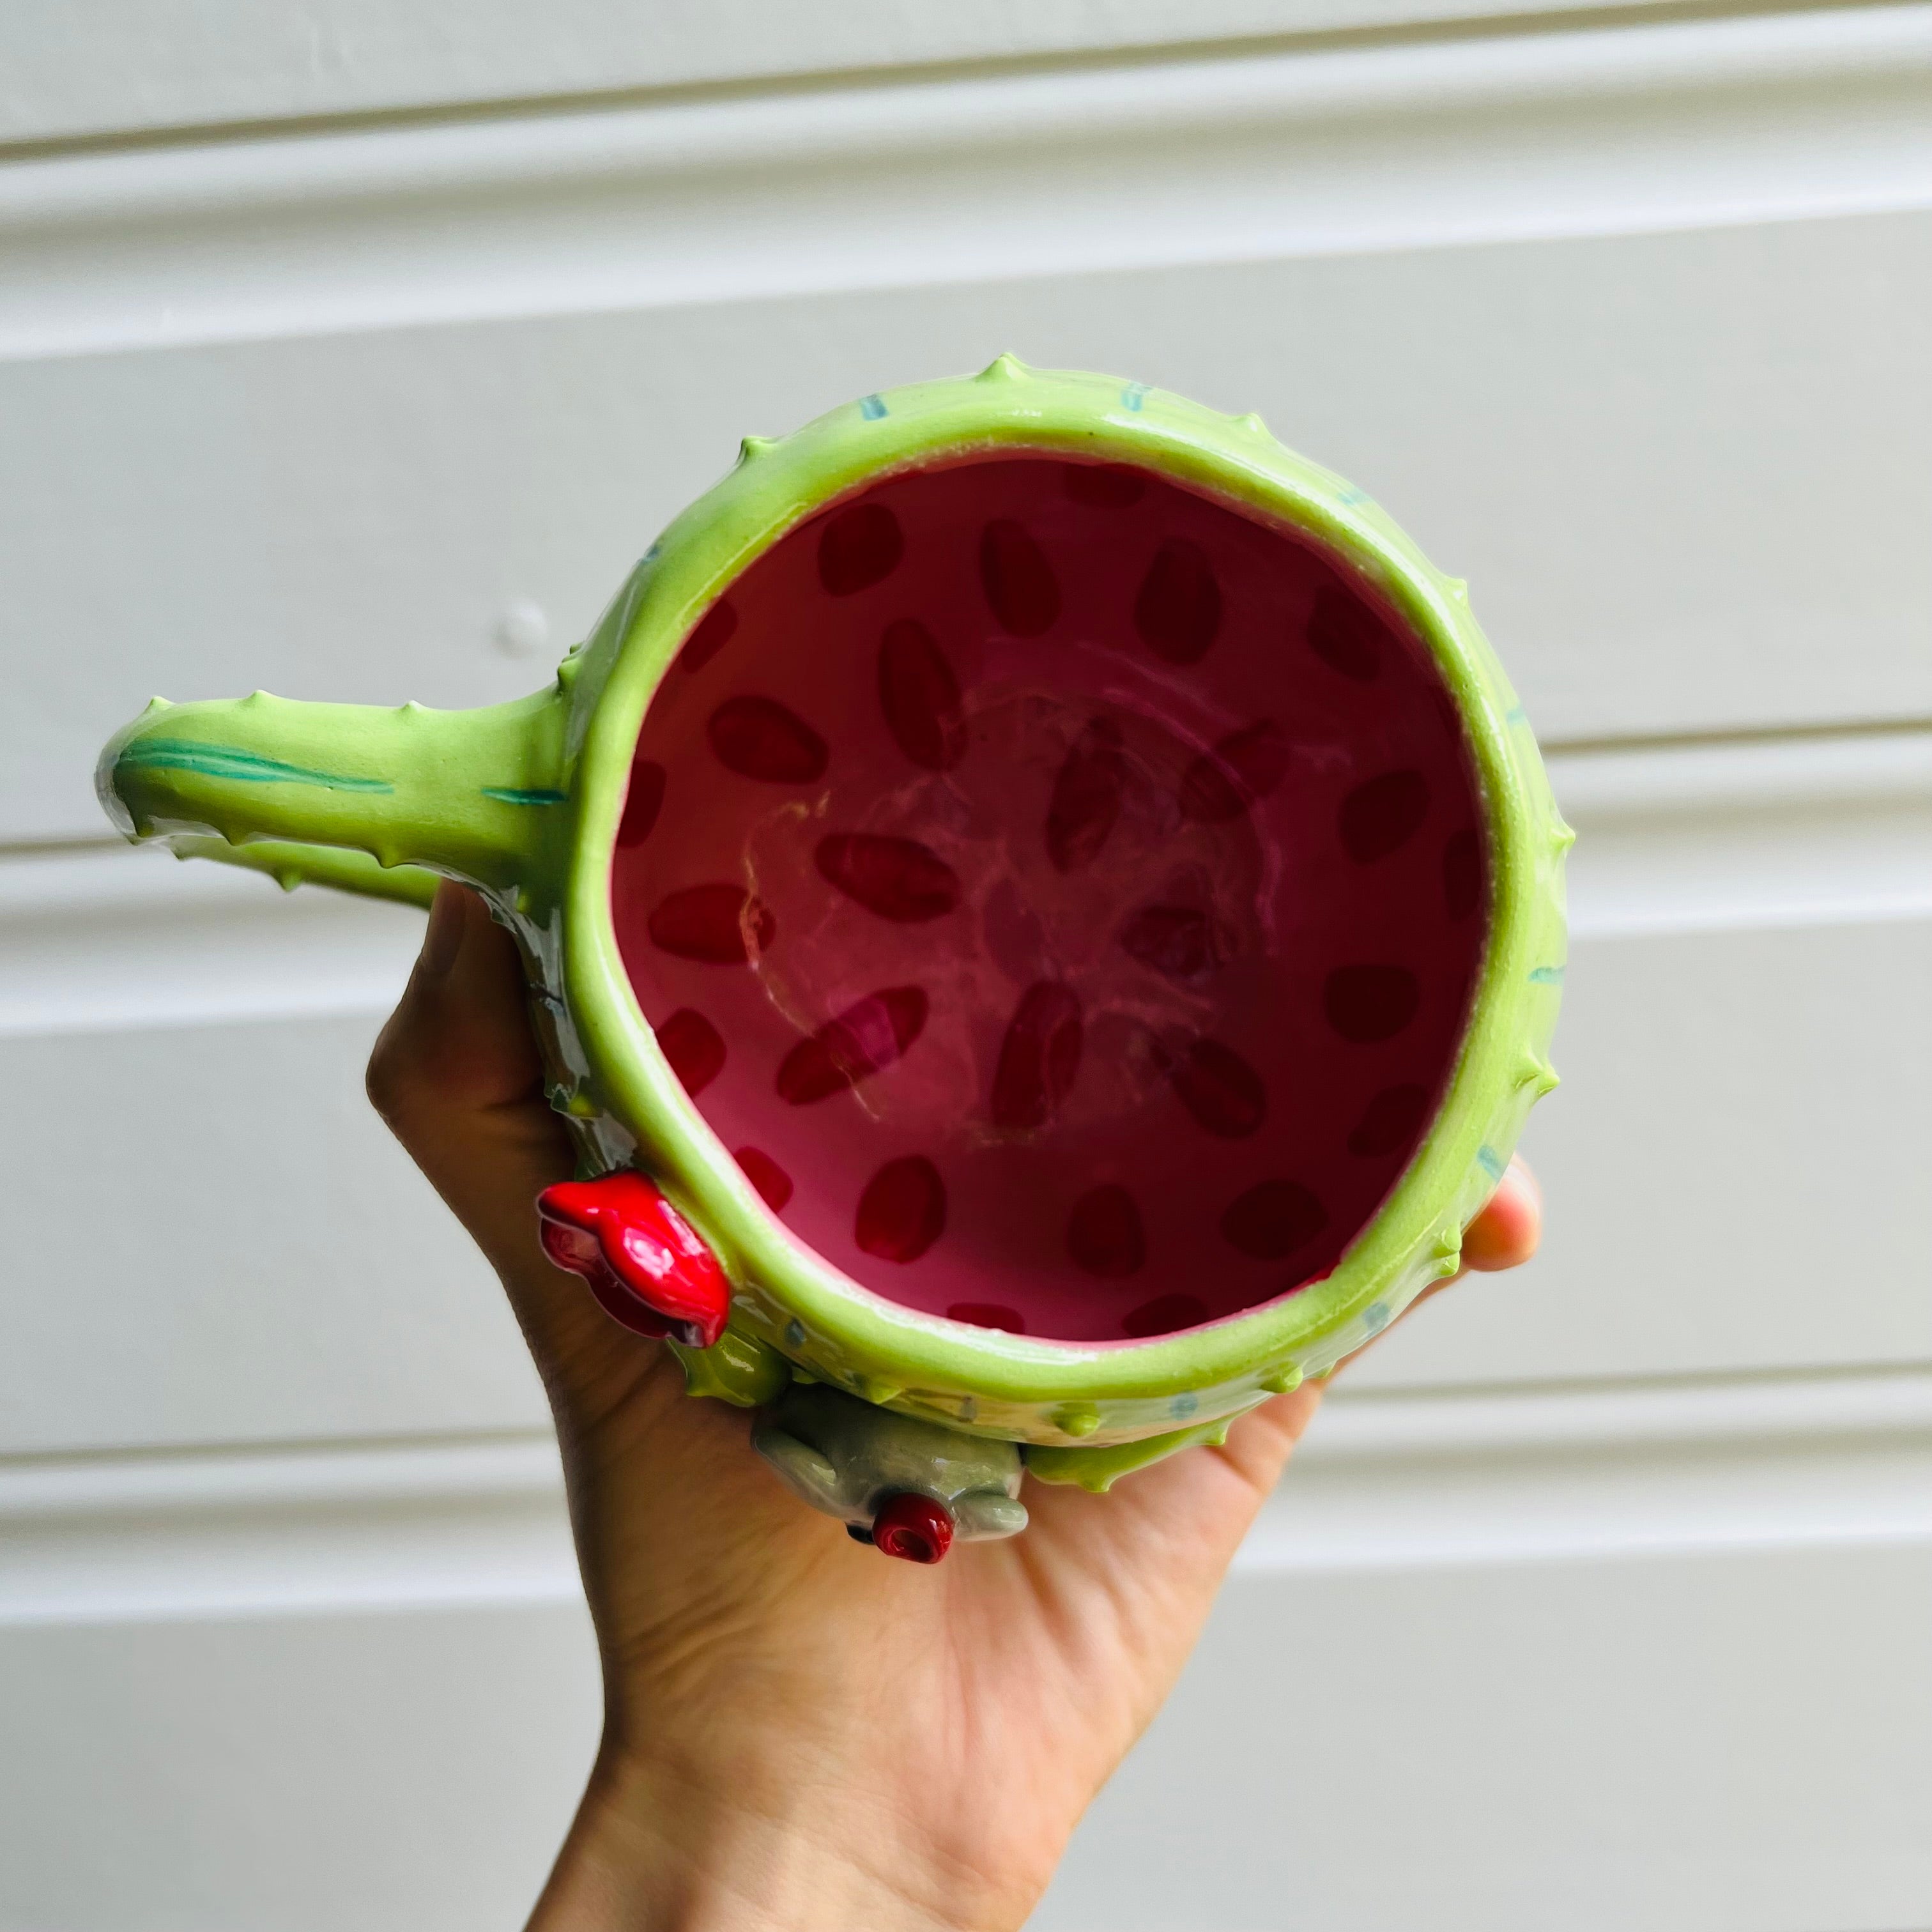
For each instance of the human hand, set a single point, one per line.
(797, 1733)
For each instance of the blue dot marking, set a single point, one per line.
(1545, 975)
(1375, 1317)
(1515, 715)
(1133, 395)
(1183, 1405)
(795, 1334)
(1490, 1162)
(871, 408)
(1349, 498)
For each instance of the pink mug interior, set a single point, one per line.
(1061, 889)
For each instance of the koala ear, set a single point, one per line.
(802, 1470)
(984, 1514)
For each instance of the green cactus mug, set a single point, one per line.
(1041, 909)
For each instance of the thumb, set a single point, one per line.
(456, 1076)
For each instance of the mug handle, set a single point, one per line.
(291, 865)
(265, 782)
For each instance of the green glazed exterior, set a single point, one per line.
(522, 801)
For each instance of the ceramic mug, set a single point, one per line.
(1041, 908)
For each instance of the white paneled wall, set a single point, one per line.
(334, 338)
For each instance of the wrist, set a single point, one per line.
(653, 1847)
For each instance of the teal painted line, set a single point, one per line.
(1545, 975)
(1490, 1162)
(509, 795)
(1349, 498)
(871, 408)
(1134, 394)
(223, 761)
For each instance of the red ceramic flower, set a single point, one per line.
(643, 1261)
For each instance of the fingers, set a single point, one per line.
(1505, 1232)
(1504, 1235)
(456, 1076)
(456, 1073)
(1259, 1446)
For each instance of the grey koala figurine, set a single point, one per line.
(907, 1487)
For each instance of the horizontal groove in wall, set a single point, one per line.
(1665, 126)
(115, 938)
(1678, 1413)
(1795, 831)
(1381, 1482)
(79, 80)
(1785, 831)
(1616, 1476)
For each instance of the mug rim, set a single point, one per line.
(793, 1297)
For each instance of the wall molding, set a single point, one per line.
(1666, 125)
(1693, 1469)
(1412, 1481)
(101, 70)
(1807, 829)
(105, 938)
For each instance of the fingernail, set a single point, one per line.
(1526, 1174)
(442, 937)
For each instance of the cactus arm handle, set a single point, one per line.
(476, 794)
(291, 865)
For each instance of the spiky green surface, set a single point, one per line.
(522, 800)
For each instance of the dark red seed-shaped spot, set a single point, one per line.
(1270, 1221)
(1179, 942)
(1346, 637)
(1462, 874)
(1019, 582)
(759, 738)
(721, 925)
(1164, 1314)
(859, 548)
(642, 803)
(1105, 486)
(1367, 1003)
(1086, 796)
(846, 1050)
(1223, 1092)
(1039, 1057)
(902, 1211)
(1245, 766)
(694, 1047)
(1178, 611)
(1104, 1235)
(1390, 1120)
(773, 1183)
(898, 879)
(988, 1315)
(713, 633)
(920, 697)
(1014, 934)
(1382, 816)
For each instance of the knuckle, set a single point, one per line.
(392, 1080)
